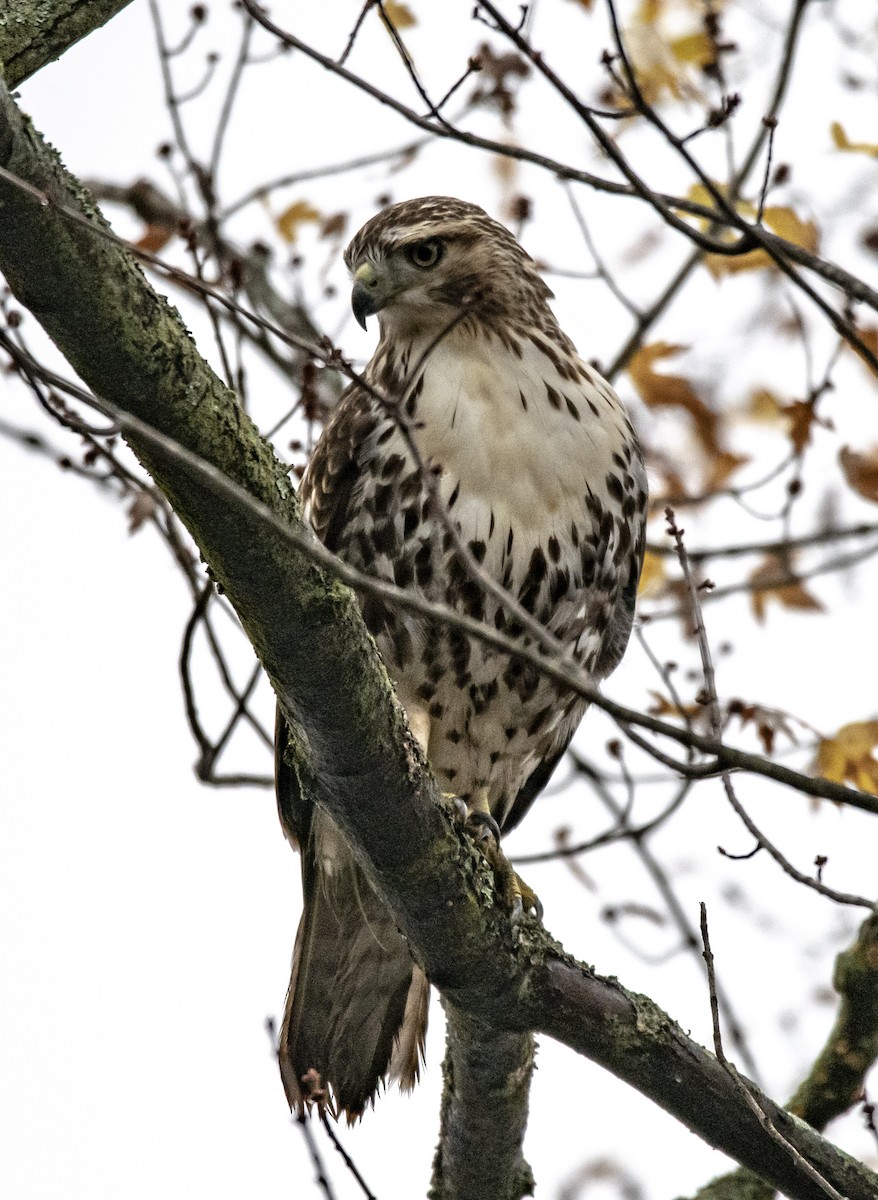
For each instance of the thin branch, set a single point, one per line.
(742, 1085)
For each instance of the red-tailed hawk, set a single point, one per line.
(534, 459)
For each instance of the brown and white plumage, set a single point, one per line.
(475, 385)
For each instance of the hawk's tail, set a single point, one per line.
(356, 1009)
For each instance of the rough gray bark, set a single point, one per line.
(36, 32)
(353, 752)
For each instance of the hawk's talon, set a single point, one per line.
(461, 812)
(517, 897)
(483, 827)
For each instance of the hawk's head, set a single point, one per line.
(421, 262)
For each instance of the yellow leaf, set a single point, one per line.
(787, 225)
(694, 48)
(861, 471)
(399, 15)
(781, 219)
(770, 581)
(648, 12)
(733, 264)
(764, 406)
(848, 756)
(653, 575)
(843, 142)
(291, 218)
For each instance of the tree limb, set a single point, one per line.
(835, 1082)
(487, 1073)
(355, 755)
(34, 34)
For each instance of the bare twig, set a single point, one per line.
(742, 1085)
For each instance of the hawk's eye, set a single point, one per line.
(425, 254)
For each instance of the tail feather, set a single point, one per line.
(357, 1005)
(408, 1047)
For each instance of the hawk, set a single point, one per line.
(477, 424)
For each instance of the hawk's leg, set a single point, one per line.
(517, 896)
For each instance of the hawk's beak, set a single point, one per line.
(367, 297)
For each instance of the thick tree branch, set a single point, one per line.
(487, 1074)
(34, 34)
(354, 753)
(835, 1082)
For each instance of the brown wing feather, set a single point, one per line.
(356, 1006)
(335, 472)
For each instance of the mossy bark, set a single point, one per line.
(36, 32)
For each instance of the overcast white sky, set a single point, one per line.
(148, 921)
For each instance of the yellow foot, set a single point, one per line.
(517, 897)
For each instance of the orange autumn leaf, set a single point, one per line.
(663, 707)
(771, 581)
(861, 471)
(843, 142)
(848, 756)
(659, 390)
(154, 238)
(292, 217)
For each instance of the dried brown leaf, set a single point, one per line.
(861, 471)
(140, 511)
(771, 581)
(154, 238)
(659, 390)
(334, 225)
